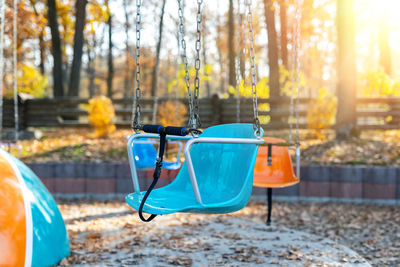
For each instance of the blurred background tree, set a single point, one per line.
(87, 48)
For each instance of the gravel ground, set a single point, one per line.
(302, 234)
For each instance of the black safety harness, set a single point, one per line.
(163, 132)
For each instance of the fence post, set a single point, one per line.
(395, 107)
(21, 113)
(216, 104)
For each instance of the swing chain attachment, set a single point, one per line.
(237, 61)
(136, 104)
(185, 63)
(257, 124)
(199, 19)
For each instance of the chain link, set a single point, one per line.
(136, 108)
(238, 74)
(191, 122)
(199, 18)
(15, 69)
(257, 126)
(298, 39)
(295, 77)
(2, 16)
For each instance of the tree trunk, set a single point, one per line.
(127, 79)
(58, 87)
(220, 29)
(42, 52)
(204, 33)
(242, 56)
(384, 46)
(272, 49)
(273, 53)
(90, 68)
(75, 75)
(283, 20)
(347, 85)
(231, 46)
(110, 62)
(41, 41)
(154, 76)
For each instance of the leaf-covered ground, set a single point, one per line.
(371, 148)
(111, 234)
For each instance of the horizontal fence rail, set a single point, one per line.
(372, 113)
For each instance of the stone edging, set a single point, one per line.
(348, 182)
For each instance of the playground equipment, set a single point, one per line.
(145, 155)
(273, 168)
(9, 143)
(220, 187)
(32, 231)
(208, 182)
(279, 173)
(144, 152)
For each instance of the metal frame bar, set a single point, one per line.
(291, 146)
(170, 142)
(134, 139)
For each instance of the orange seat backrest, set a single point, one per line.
(281, 173)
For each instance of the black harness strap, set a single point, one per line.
(156, 176)
(162, 131)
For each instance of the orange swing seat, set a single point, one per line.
(280, 173)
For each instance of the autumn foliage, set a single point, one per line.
(101, 114)
(379, 84)
(30, 81)
(172, 113)
(321, 111)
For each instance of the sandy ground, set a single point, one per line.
(302, 234)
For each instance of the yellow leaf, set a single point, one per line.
(101, 114)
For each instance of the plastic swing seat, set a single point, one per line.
(280, 173)
(32, 230)
(145, 156)
(223, 159)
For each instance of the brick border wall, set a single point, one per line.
(336, 182)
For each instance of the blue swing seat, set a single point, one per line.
(224, 175)
(146, 155)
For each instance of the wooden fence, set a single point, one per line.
(372, 113)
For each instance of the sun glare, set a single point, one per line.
(388, 9)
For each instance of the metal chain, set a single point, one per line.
(136, 102)
(177, 65)
(191, 122)
(298, 36)
(15, 85)
(257, 126)
(295, 77)
(197, 122)
(2, 11)
(238, 74)
(238, 82)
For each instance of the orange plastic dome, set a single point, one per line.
(281, 173)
